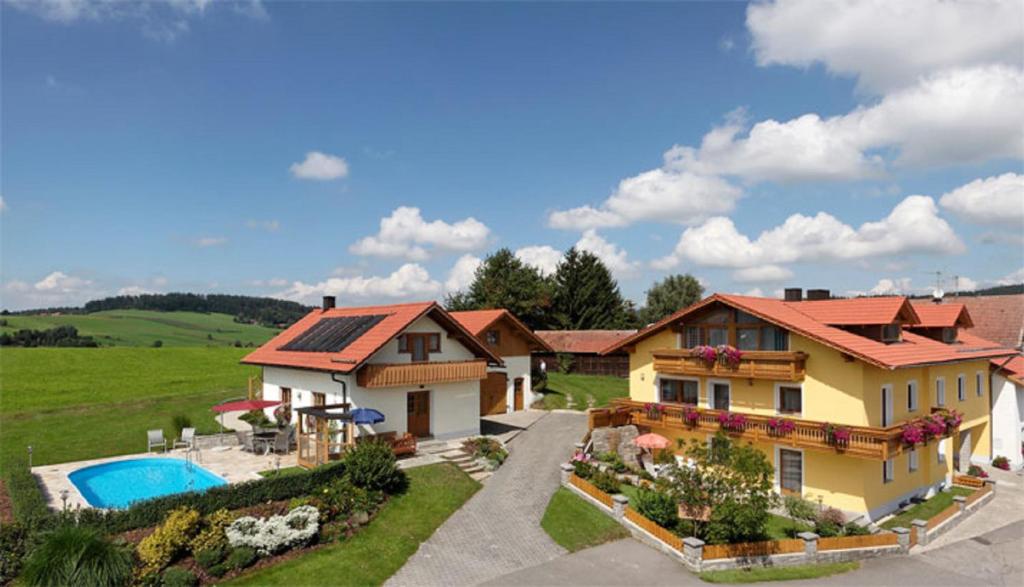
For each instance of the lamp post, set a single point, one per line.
(30, 457)
(64, 499)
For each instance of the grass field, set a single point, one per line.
(73, 404)
(585, 390)
(575, 524)
(379, 550)
(757, 575)
(144, 327)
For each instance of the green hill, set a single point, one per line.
(144, 327)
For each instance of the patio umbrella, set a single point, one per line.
(651, 441)
(366, 416)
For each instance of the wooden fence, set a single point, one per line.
(985, 490)
(653, 528)
(968, 481)
(866, 541)
(747, 549)
(943, 516)
(589, 488)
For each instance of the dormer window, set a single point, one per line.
(949, 335)
(891, 333)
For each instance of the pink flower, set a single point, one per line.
(913, 434)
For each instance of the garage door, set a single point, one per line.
(492, 394)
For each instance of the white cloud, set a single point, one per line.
(755, 292)
(55, 289)
(913, 226)
(409, 280)
(61, 282)
(210, 241)
(994, 200)
(461, 275)
(267, 225)
(616, 259)
(134, 290)
(541, 257)
(406, 235)
(1012, 278)
(891, 287)
(962, 283)
(159, 281)
(762, 274)
(320, 166)
(273, 282)
(886, 44)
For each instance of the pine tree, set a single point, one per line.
(586, 295)
(503, 281)
(669, 295)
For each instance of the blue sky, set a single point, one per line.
(257, 147)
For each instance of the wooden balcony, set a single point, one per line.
(403, 374)
(774, 365)
(865, 442)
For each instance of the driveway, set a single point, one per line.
(498, 530)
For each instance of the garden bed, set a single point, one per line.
(926, 509)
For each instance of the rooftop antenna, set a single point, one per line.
(956, 286)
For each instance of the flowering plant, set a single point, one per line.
(934, 426)
(780, 426)
(732, 422)
(976, 471)
(729, 356)
(837, 435)
(691, 416)
(913, 434)
(1001, 463)
(581, 457)
(708, 354)
(276, 533)
(654, 411)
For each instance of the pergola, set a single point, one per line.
(318, 442)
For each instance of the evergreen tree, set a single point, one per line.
(503, 281)
(586, 295)
(669, 295)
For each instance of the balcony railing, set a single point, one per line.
(865, 442)
(774, 365)
(397, 374)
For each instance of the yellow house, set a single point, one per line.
(831, 390)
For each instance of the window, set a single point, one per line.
(979, 383)
(949, 335)
(912, 460)
(493, 337)
(940, 392)
(940, 452)
(961, 387)
(694, 337)
(774, 339)
(790, 399)
(679, 391)
(746, 338)
(888, 471)
(891, 333)
(887, 405)
(718, 336)
(419, 345)
(319, 399)
(720, 396)
(912, 396)
(791, 471)
(286, 395)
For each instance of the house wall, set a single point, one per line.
(1007, 419)
(451, 348)
(517, 367)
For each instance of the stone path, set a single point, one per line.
(498, 530)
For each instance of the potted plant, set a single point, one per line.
(976, 471)
(691, 416)
(1001, 463)
(707, 354)
(654, 411)
(913, 434)
(780, 426)
(728, 356)
(731, 422)
(836, 435)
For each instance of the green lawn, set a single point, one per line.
(380, 549)
(928, 508)
(582, 389)
(143, 327)
(780, 527)
(757, 575)
(575, 524)
(72, 404)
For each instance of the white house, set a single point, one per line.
(1008, 409)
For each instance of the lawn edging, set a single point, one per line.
(926, 531)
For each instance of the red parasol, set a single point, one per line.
(651, 441)
(245, 405)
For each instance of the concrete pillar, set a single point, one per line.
(921, 530)
(810, 543)
(567, 470)
(961, 502)
(579, 447)
(902, 538)
(619, 503)
(693, 552)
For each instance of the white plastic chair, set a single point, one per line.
(187, 440)
(156, 438)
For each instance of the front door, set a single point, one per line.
(493, 391)
(518, 394)
(417, 410)
(962, 457)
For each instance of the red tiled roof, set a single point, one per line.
(398, 317)
(1013, 369)
(858, 311)
(997, 318)
(934, 315)
(582, 341)
(476, 321)
(806, 318)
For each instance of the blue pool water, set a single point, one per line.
(118, 484)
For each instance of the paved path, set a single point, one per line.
(498, 530)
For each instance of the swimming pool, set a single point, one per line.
(118, 484)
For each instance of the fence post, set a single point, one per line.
(567, 470)
(902, 538)
(921, 528)
(693, 552)
(619, 503)
(810, 543)
(961, 503)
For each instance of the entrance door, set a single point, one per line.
(518, 393)
(493, 391)
(417, 411)
(886, 405)
(962, 458)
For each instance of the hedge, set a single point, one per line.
(27, 499)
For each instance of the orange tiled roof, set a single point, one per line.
(1013, 369)
(476, 321)
(934, 315)
(582, 341)
(398, 317)
(811, 319)
(997, 318)
(858, 311)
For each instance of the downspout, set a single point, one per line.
(344, 389)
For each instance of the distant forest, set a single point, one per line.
(64, 336)
(268, 312)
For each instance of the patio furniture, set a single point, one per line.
(283, 440)
(263, 441)
(400, 445)
(187, 440)
(244, 440)
(155, 438)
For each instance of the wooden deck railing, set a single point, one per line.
(865, 441)
(866, 541)
(768, 547)
(774, 365)
(591, 490)
(396, 374)
(652, 528)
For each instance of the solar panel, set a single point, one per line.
(330, 335)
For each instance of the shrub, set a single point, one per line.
(256, 419)
(178, 577)
(614, 461)
(583, 469)
(209, 557)
(276, 533)
(976, 471)
(14, 544)
(664, 457)
(372, 465)
(158, 343)
(27, 498)
(737, 520)
(605, 481)
(1001, 463)
(168, 541)
(211, 535)
(833, 516)
(219, 570)
(179, 423)
(830, 522)
(659, 507)
(799, 508)
(240, 558)
(486, 448)
(337, 498)
(855, 529)
(74, 555)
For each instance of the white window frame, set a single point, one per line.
(778, 399)
(961, 387)
(912, 463)
(778, 467)
(664, 378)
(709, 395)
(979, 383)
(912, 396)
(890, 404)
(888, 470)
(940, 385)
(940, 452)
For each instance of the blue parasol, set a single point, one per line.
(366, 416)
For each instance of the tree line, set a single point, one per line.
(63, 336)
(581, 294)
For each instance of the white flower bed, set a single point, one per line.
(277, 533)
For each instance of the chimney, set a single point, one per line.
(818, 294)
(793, 294)
(328, 303)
